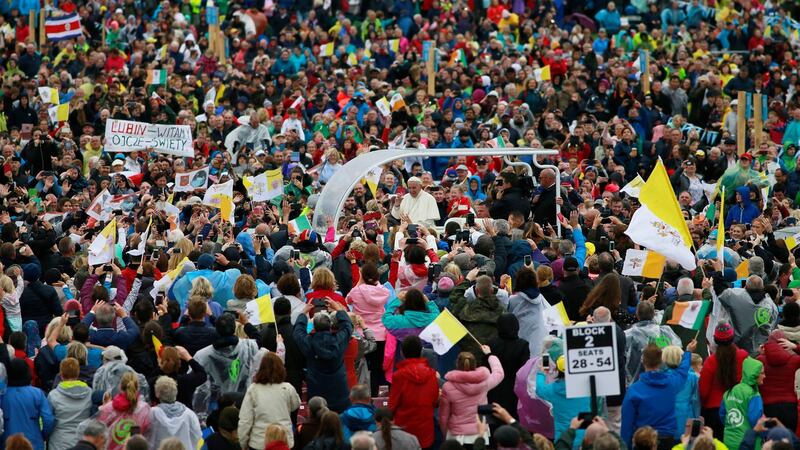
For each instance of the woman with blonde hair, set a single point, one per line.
(323, 285)
(276, 438)
(186, 246)
(687, 403)
(11, 291)
(202, 288)
(123, 410)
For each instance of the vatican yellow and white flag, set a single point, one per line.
(658, 224)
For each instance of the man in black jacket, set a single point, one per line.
(545, 200)
(38, 302)
(574, 288)
(509, 197)
(196, 334)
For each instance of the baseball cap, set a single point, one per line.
(462, 167)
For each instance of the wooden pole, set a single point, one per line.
(431, 69)
(31, 26)
(42, 33)
(758, 120)
(646, 74)
(741, 123)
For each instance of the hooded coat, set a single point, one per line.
(174, 420)
(71, 402)
(108, 376)
(741, 405)
(636, 339)
(118, 417)
(413, 397)
(369, 301)
(463, 391)
(528, 306)
(25, 407)
(753, 315)
(231, 365)
(324, 352)
(564, 409)
(358, 417)
(651, 400)
(475, 194)
(38, 302)
(513, 353)
(479, 316)
(743, 212)
(780, 366)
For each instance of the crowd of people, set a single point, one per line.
(144, 308)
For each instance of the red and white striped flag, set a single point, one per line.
(63, 27)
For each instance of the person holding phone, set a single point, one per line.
(555, 392)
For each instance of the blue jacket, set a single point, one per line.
(358, 417)
(110, 336)
(476, 194)
(564, 409)
(651, 400)
(687, 404)
(24, 407)
(744, 213)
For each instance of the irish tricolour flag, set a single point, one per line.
(156, 77)
(63, 27)
(689, 314)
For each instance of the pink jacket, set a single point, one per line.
(463, 392)
(119, 420)
(369, 302)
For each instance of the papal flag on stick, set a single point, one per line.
(658, 224)
(642, 263)
(444, 332)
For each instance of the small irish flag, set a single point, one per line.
(155, 77)
(497, 142)
(689, 314)
(299, 224)
(326, 49)
(458, 57)
(444, 332)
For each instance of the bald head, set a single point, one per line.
(755, 283)
(602, 315)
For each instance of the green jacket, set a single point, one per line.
(742, 405)
(479, 316)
